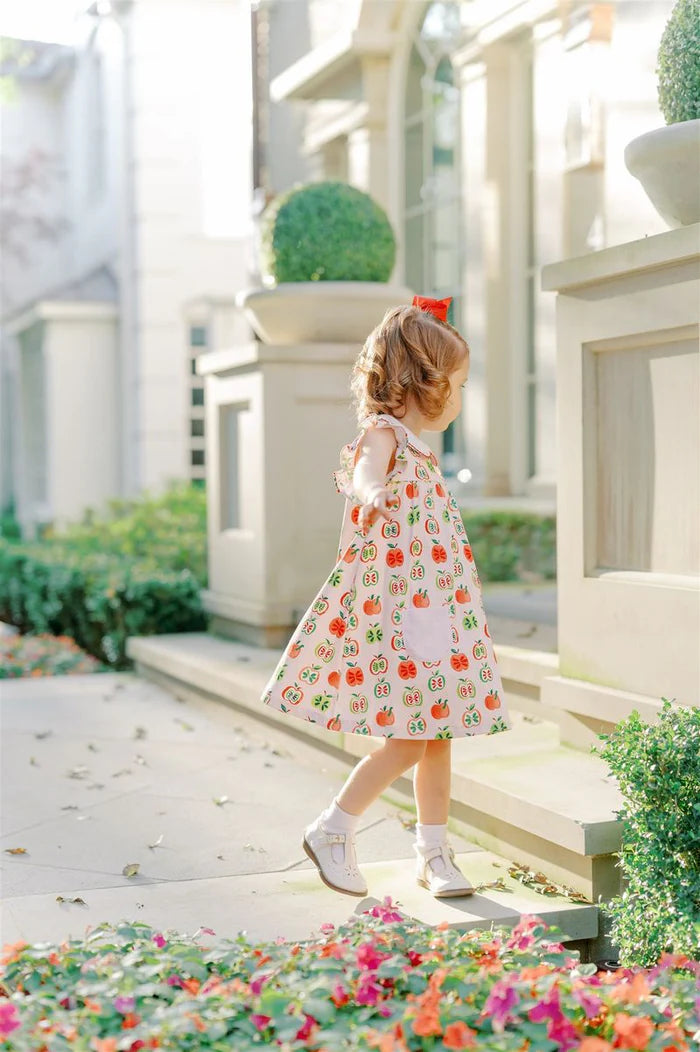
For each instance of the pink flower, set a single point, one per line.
(386, 912)
(174, 980)
(564, 1034)
(369, 957)
(339, 995)
(368, 990)
(159, 940)
(124, 1004)
(9, 1020)
(257, 984)
(521, 937)
(260, 1021)
(500, 1004)
(304, 1032)
(590, 1003)
(547, 1009)
(327, 928)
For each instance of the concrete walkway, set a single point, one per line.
(106, 770)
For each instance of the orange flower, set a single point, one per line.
(529, 974)
(193, 984)
(594, 1044)
(104, 1044)
(130, 1020)
(93, 1006)
(197, 1020)
(632, 1031)
(427, 1023)
(458, 1035)
(632, 992)
(12, 951)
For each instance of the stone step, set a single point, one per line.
(289, 902)
(521, 795)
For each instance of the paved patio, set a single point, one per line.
(106, 770)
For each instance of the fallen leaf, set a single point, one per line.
(92, 748)
(140, 732)
(220, 800)
(131, 869)
(81, 771)
(33, 763)
(16, 851)
(77, 901)
(124, 770)
(42, 734)
(493, 885)
(158, 842)
(185, 726)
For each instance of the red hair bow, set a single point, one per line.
(437, 307)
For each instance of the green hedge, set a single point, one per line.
(137, 570)
(98, 600)
(510, 546)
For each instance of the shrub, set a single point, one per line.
(380, 981)
(169, 530)
(679, 64)
(9, 526)
(510, 545)
(98, 600)
(326, 232)
(43, 655)
(657, 767)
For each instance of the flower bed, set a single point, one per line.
(44, 655)
(382, 981)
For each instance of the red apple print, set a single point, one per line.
(459, 661)
(420, 599)
(355, 514)
(439, 490)
(350, 555)
(334, 724)
(439, 553)
(372, 605)
(334, 679)
(461, 596)
(394, 556)
(411, 490)
(407, 669)
(492, 701)
(354, 676)
(296, 649)
(468, 552)
(440, 710)
(337, 627)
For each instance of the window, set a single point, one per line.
(197, 396)
(198, 336)
(433, 206)
(197, 457)
(197, 428)
(193, 366)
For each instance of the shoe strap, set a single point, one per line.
(335, 838)
(429, 853)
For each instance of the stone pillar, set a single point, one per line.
(368, 162)
(276, 418)
(628, 499)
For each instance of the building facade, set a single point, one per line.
(492, 131)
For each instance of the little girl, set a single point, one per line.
(396, 645)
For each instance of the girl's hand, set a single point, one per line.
(379, 502)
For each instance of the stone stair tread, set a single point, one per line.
(293, 903)
(558, 792)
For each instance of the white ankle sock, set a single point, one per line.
(428, 836)
(336, 820)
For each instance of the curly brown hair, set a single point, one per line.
(410, 355)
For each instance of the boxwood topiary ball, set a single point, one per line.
(326, 232)
(679, 64)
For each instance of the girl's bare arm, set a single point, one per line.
(369, 477)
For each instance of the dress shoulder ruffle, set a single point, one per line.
(343, 476)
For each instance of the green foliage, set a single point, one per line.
(510, 545)
(136, 571)
(9, 526)
(657, 767)
(379, 981)
(168, 530)
(679, 64)
(326, 232)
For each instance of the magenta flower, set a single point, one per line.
(564, 1034)
(327, 928)
(368, 990)
(159, 940)
(9, 1019)
(306, 1030)
(369, 957)
(590, 1003)
(257, 984)
(260, 1021)
(547, 1009)
(174, 980)
(386, 911)
(124, 1004)
(500, 1004)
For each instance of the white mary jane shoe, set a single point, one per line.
(437, 872)
(334, 854)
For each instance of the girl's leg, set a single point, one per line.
(375, 772)
(431, 785)
(431, 782)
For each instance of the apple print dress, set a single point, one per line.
(396, 643)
